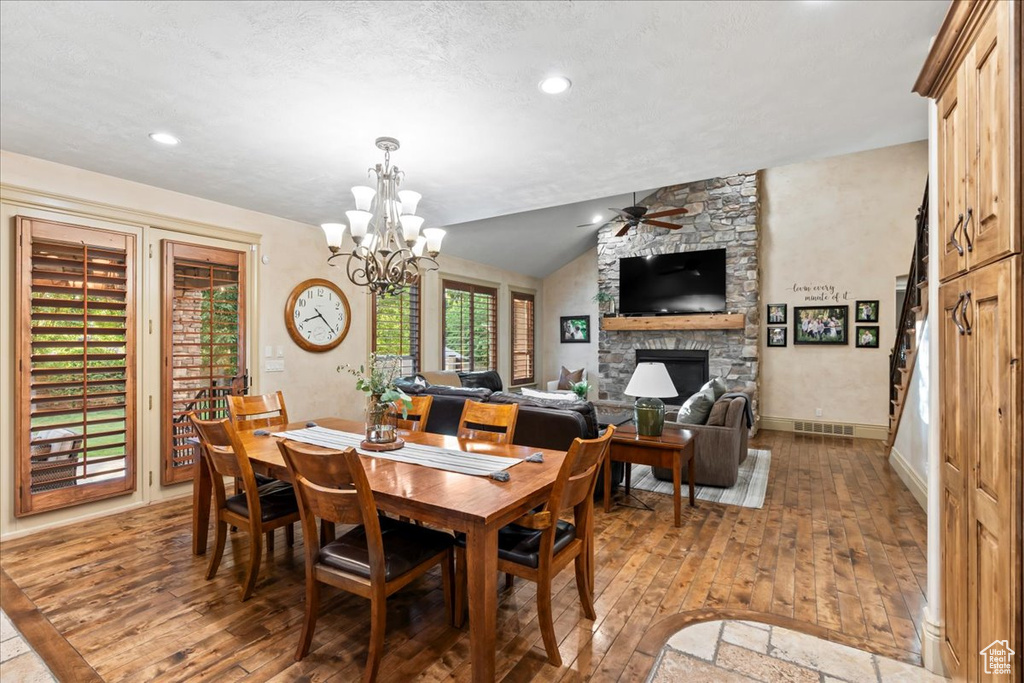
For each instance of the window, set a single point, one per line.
(470, 327)
(522, 338)
(204, 345)
(396, 327)
(75, 387)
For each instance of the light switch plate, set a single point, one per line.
(274, 366)
(280, 352)
(268, 351)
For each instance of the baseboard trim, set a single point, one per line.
(848, 429)
(931, 645)
(917, 486)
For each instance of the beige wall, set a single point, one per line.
(570, 290)
(848, 222)
(296, 252)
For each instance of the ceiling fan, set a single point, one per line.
(632, 216)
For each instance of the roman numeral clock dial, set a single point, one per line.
(317, 315)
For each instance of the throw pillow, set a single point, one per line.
(717, 385)
(533, 393)
(697, 408)
(445, 378)
(567, 378)
(718, 413)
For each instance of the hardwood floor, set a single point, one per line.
(838, 550)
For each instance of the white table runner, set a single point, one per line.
(478, 464)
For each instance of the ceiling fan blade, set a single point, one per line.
(588, 225)
(625, 229)
(662, 224)
(667, 212)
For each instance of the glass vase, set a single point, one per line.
(381, 421)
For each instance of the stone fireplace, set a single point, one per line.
(688, 369)
(722, 212)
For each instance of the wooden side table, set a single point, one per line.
(673, 448)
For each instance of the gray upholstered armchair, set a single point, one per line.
(720, 448)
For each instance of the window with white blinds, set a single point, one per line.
(76, 381)
(204, 345)
(396, 327)
(523, 356)
(470, 327)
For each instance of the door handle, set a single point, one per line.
(952, 235)
(956, 307)
(963, 311)
(967, 232)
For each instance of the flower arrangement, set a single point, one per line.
(379, 383)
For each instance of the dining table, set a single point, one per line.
(476, 505)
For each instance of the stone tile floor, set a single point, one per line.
(18, 661)
(743, 651)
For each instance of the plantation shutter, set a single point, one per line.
(470, 327)
(75, 384)
(204, 345)
(396, 327)
(522, 338)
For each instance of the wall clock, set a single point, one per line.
(317, 315)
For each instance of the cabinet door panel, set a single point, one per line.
(952, 145)
(992, 448)
(988, 231)
(954, 512)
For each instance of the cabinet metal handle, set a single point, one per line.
(956, 307)
(963, 311)
(952, 235)
(967, 232)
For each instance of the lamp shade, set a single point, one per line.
(363, 196)
(334, 233)
(410, 200)
(411, 227)
(359, 220)
(434, 237)
(651, 380)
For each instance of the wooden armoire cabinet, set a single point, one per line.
(974, 74)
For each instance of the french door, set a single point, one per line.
(204, 333)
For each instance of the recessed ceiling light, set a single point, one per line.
(555, 85)
(164, 138)
(598, 218)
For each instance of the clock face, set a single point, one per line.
(317, 315)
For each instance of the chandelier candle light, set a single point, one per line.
(389, 245)
(649, 384)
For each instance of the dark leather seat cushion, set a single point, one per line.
(277, 499)
(521, 545)
(405, 547)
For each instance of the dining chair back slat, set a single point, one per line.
(257, 412)
(492, 422)
(330, 485)
(416, 417)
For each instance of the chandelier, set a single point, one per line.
(388, 248)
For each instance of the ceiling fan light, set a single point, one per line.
(363, 196)
(555, 85)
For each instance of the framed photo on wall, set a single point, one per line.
(867, 311)
(777, 336)
(821, 325)
(867, 336)
(777, 314)
(575, 329)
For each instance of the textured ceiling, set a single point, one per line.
(277, 104)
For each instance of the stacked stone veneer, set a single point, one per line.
(723, 212)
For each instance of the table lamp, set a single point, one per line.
(649, 384)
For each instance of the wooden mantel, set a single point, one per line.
(707, 321)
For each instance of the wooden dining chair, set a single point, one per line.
(257, 412)
(415, 419)
(538, 545)
(373, 560)
(273, 506)
(492, 422)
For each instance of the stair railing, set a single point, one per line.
(905, 327)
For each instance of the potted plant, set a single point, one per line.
(381, 396)
(581, 389)
(606, 303)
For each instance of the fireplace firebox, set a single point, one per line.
(688, 369)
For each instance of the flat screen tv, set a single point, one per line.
(687, 282)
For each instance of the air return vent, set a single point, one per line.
(823, 428)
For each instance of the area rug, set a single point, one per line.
(748, 491)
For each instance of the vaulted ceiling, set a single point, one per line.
(277, 104)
